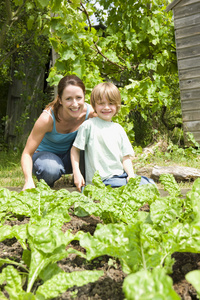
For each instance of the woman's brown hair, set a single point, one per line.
(63, 83)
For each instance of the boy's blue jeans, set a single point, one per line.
(120, 180)
(50, 167)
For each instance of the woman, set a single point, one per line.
(47, 151)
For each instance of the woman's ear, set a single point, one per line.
(59, 100)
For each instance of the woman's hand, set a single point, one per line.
(29, 185)
(79, 180)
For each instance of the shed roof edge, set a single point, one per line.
(171, 5)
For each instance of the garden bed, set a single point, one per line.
(109, 286)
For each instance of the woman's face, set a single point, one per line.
(73, 100)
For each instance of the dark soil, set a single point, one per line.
(108, 287)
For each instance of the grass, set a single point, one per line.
(160, 154)
(10, 169)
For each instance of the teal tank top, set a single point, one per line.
(58, 143)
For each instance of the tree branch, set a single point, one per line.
(15, 50)
(95, 44)
(11, 18)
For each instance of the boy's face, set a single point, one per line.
(105, 110)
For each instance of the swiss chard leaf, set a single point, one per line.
(138, 246)
(149, 285)
(17, 231)
(60, 282)
(194, 278)
(170, 184)
(115, 205)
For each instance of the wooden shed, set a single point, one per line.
(187, 33)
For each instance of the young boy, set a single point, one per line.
(107, 147)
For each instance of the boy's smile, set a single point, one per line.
(105, 110)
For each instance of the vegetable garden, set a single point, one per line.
(124, 243)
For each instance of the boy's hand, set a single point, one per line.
(131, 176)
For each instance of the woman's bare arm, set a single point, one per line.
(43, 124)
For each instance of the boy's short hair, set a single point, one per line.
(109, 90)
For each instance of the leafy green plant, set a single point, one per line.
(43, 242)
(142, 241)
(149, 285)
(115, 205)
(58, 284)
(194, 278)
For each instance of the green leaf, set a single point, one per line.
(43, 3)
(17, 231)
(149, 285)
(62, 281)
(164, 211)
(30, 22)
(56, 5)
(50, 271)
(67, 54)
(194, 278)
(137, 246)
(97, 180)
(14, 285)
(170, 184)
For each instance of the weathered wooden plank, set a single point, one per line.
(191, 83)
(172, 5)
(190, 105)
(188, 41)
(188, 63)
(187, 21)
(192, 115)
(188, 52)
(187, 31)
(190, 94)
(186, 2)
(179, 173)
(179, 3)
(187, 10)
(189, 73)
(193, 126)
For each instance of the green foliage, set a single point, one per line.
(132, 45)
(143, 243)
(194, 278)
(155, 285)
(46, 243)
(135, 48)
(115, 205)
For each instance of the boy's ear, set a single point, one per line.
(94, 114)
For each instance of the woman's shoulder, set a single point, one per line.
(48, 111)
(45, 120)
